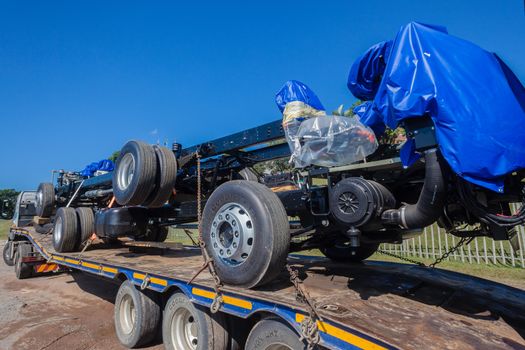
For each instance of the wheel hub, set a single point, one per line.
(184, 330)
(232, 234)
(57, 232)
(125, 171)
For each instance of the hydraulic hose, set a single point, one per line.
(429, 206)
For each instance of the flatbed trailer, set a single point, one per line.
(373, 305)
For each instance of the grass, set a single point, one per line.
(4, 228)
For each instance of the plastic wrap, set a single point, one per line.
(332, 141)
(315, 138)
(475, 101)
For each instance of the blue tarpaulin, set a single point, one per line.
(475, 101)
(104, 165)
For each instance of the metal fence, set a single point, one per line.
(482, 250)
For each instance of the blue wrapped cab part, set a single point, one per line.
(103, 165)
(366, 72)
(474, 99)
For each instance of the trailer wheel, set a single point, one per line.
(270, 334)
(8, 259)
(165, 177)
(65, 232)
(246, 231)
(134, 174)
(137, 315)
(343, 252)
(86, 225)
(22, 269)
(188, 326)
(156, 233)
(45, 199)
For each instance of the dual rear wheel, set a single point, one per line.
(144, 175)
(73, 228)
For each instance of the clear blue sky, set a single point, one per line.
(79, 79)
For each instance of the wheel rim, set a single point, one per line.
(278, 346)
(57, 234)
(127, 314)
(125, 171)
(232, 234)
(184, 330)
(39, 199)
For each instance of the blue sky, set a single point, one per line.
(79, 79)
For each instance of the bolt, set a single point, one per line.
(236, 233)
(221, 252)
(227, 216)
(234, 245)
(234, 223)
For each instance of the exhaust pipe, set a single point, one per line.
(429, 206)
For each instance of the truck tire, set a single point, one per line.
(342, 252)
(134, 174)
(45, 199)
(9, 261)
(189, 326)
(273, 334)
(156, 233)
(247, 233)
(137, 315)
(86, 225)
(65, 232)
(165, 177)
(22, 269)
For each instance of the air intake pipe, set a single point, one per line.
(429, 206)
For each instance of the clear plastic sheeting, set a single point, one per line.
(315, 138)
(330, 141)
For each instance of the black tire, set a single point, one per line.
(86, 225)
(23, 270)
(270, 333)
(210, 329)
(44, 229)
(139, 158)
(165, 177)
(342, 252)
(65, 231)
(156, 233)
(142, 328)
(271, 233)
(45, 199)
(8, 260)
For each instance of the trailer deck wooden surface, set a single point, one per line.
(369, 305)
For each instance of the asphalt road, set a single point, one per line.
(57, 311)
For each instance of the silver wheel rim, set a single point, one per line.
(125, 171)
(57, 232)
(127, 314)
(232, 234)
(184, 330)
(39, 199)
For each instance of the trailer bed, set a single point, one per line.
(374, 305)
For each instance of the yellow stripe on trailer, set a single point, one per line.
(159, 281)
(244, 304)
(343, 335)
